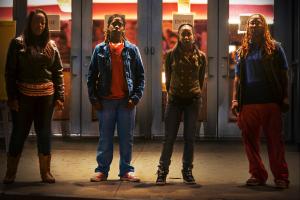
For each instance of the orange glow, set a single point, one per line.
(128, 9)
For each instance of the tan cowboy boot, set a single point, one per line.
(46, 175)
(12, 166)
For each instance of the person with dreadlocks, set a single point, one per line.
(115, 86)
(260, 95)
(185, 70)
(34, 84)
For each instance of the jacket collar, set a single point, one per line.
(127, 45)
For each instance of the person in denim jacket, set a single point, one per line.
(115, 86)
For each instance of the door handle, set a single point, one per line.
(72, 71)
(226, 75)
(87, 59)
(295, 62)
(152, 51)
(208, 71)
(146, 50)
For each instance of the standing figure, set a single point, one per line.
(260, 95)
(185, 70)
(115, 86)
(34, 84)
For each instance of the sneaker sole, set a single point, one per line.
(160, 183)
(94, 180)
(281, 187)
(189, 183)
(130, 180)
(255, 184)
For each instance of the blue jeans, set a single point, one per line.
(115, 112)
(172, 121)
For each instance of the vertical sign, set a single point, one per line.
(8, 31)
(54, 22)
(179, 19)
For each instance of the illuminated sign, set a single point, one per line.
(179, 19)
(54, 22)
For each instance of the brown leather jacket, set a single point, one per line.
(184, 76)
(29, 65)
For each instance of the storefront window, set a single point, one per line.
(6, 10)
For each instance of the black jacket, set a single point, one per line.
(273, 71)
(25, 65)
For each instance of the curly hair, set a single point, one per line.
(269, 42)
(110, 19)
(29, 36)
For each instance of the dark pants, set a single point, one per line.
(252, 118)
(172, 121)
(32, 109)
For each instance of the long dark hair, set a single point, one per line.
(29, 37)
(109, 21)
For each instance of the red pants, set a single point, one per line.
(252, 118)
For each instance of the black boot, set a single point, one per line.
(161, 175)
(188, 176)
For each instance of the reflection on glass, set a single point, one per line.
(6, 10)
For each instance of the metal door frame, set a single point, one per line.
(225, 128)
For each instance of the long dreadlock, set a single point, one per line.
(110, 19)
(269, 42)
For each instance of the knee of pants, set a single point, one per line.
(44, 148)
(14, 151)
(105, 143)
(169, 140)
(16, 146)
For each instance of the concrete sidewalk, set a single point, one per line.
(220, 169)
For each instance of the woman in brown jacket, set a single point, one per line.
(34, 84)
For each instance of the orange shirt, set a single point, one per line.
(118, 83)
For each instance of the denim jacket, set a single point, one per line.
(100, 72)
